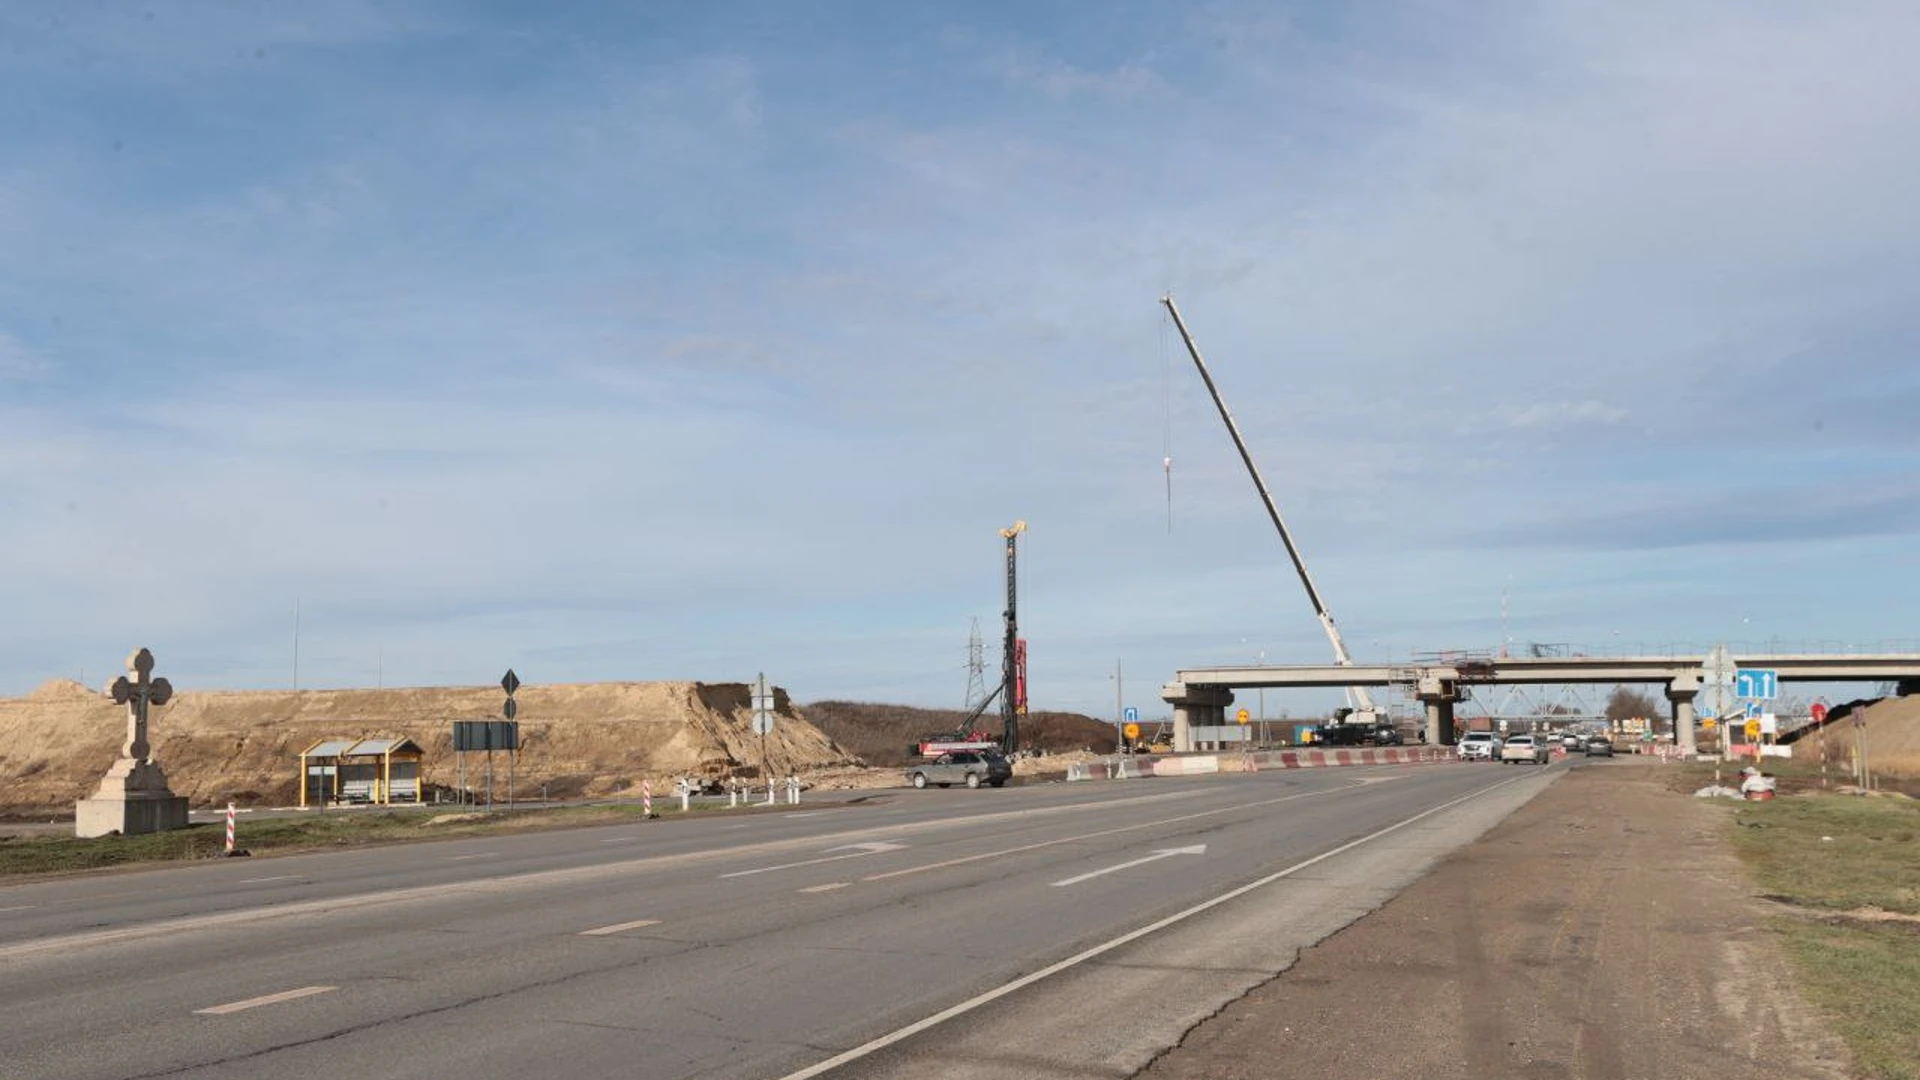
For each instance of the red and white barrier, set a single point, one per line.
(229, 828)
(646, 798)
(1200, 764)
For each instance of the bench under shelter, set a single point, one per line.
(381, 771)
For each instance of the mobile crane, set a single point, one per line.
(1361, 714)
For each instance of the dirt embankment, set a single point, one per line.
(588, 739)
(880, 734)
(1890, 736)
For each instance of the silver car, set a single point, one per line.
(968, 767)
(1525, 748)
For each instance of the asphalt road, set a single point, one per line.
(1047, 930)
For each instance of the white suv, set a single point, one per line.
(1479, 746)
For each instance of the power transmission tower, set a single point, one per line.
(976, 667)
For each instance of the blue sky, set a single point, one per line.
(635, 342)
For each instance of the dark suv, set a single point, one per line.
(969, 767)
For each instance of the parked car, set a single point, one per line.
(1524, 748)
(969, 767)
(1599, 746)
(1479, 746)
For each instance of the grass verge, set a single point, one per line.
(1847, 871)
(317, 831)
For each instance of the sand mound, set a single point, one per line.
(588, 739)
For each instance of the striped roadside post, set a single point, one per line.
(229, 828)
(646, 798)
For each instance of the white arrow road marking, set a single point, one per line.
(269, 999)
(1197, 849)
(853, 851)
(620, 927)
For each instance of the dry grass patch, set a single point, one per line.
(1846, 868)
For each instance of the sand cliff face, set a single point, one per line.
(587, 739)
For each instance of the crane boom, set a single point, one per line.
(1340, 655)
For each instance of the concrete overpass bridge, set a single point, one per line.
(1200, 696)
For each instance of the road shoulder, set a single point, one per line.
(1602, 931)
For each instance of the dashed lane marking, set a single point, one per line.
(1024, 981)
(1004, 852)
(260, 880)
(828, 887)
(618, 928)
(268, 999)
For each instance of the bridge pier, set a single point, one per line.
(1205, 706)
(1681, 692)
(1439, 695)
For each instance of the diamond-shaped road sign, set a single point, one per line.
(509, 682)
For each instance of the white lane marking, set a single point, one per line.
(1003, 852)
(620, 927)
(1196, 849)
(803, 813)
(481, 855)
(619, 839)
(510, 882)
(967, 1006)
(258, 880)
(828, 887)
(269, 999)
(859, 851)
(22, 907)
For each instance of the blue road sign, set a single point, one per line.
(1753, 710)
(1132, 714)
(1758, 684)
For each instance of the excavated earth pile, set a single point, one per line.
(581, 740)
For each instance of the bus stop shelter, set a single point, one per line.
(381, 771)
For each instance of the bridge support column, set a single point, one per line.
(1204, 706)
(1439, 696)
(1681, 693)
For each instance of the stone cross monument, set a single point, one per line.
(133, 797)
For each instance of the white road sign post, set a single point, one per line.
(762, 726)
(1719, 673)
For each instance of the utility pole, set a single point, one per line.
(1119, 697)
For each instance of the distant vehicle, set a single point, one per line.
(1382, 733)
(969, 767)
(1479, 746)
(1573, 740)
(1524, 748)
(1599, 746)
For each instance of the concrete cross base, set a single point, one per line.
(129, 815)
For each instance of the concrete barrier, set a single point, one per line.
(1129, 767)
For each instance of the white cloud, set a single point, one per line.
(18, 360)
(1555, 414)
